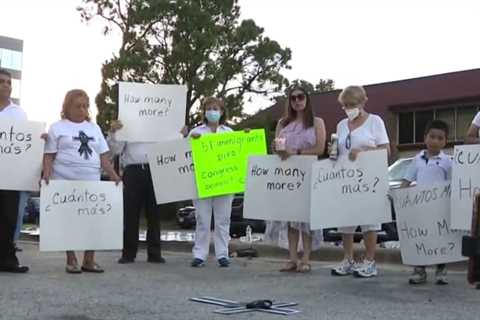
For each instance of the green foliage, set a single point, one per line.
(323, 85)
(199, 43)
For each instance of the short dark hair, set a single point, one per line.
(6, 73)
(437, 124)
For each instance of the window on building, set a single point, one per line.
(10, 59)
(465, 116)
(447, 115)
(411, 125)
(405, 127)
(422, 118)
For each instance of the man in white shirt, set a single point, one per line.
(8, 198)
(138, 193)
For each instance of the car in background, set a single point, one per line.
(32, 210)
(238, 224)
(186, 217)
(396, 172)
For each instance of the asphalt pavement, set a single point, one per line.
(161, 291)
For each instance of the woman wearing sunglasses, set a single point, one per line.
(359, 132)
(297, 133)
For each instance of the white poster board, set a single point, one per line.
(350, 193)
(81, 215)
(465, 183)
(422, 215)
(21, 154)
(150, 113)
(278, 190)
(171, 166)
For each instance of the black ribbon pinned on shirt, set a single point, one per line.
(84, 149)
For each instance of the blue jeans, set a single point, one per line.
(22, 204)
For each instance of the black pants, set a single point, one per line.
(8, 222)
(137, 195)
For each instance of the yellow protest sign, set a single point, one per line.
(221, 160)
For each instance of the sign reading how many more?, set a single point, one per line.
(278, 190)
(423, 215)
(465, 184)
(81, 215)
(21, 154)
(150, 113)
(172, 169)
(350, 193)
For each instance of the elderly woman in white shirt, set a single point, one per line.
(76, 150)
(359, 132)
(214, 117)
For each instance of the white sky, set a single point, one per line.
(349, 41)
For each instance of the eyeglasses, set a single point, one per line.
(348, 141)
(298, 97)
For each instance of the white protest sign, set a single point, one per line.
(278, 190)
(465, 183)
(171, 166)
(350, 193)
(150, 113)
(21, 154)
(81, 215)
(422, 215)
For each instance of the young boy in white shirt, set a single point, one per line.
(430, 166)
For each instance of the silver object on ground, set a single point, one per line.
(235, 307)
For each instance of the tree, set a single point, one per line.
(198, 43)
(323, 85)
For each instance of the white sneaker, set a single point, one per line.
(344, 268)
(357, 265)
(367, 270)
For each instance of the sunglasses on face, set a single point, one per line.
(297, 97)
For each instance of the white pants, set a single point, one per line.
(222, 210)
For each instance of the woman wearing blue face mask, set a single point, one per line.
(213, 113)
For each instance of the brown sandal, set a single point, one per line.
(304, 267)
(94, 269)
(289, 267)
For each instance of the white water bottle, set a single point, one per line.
(333, 146)
(248, 234)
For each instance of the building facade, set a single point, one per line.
(11, 56)
(406, 106)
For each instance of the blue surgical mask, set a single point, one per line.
(213, 116)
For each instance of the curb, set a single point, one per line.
(327, 253)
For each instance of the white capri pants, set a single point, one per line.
(222, 210)
(365, 228)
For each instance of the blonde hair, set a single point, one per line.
(352, 96)
(212, 100)
(68, 101)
